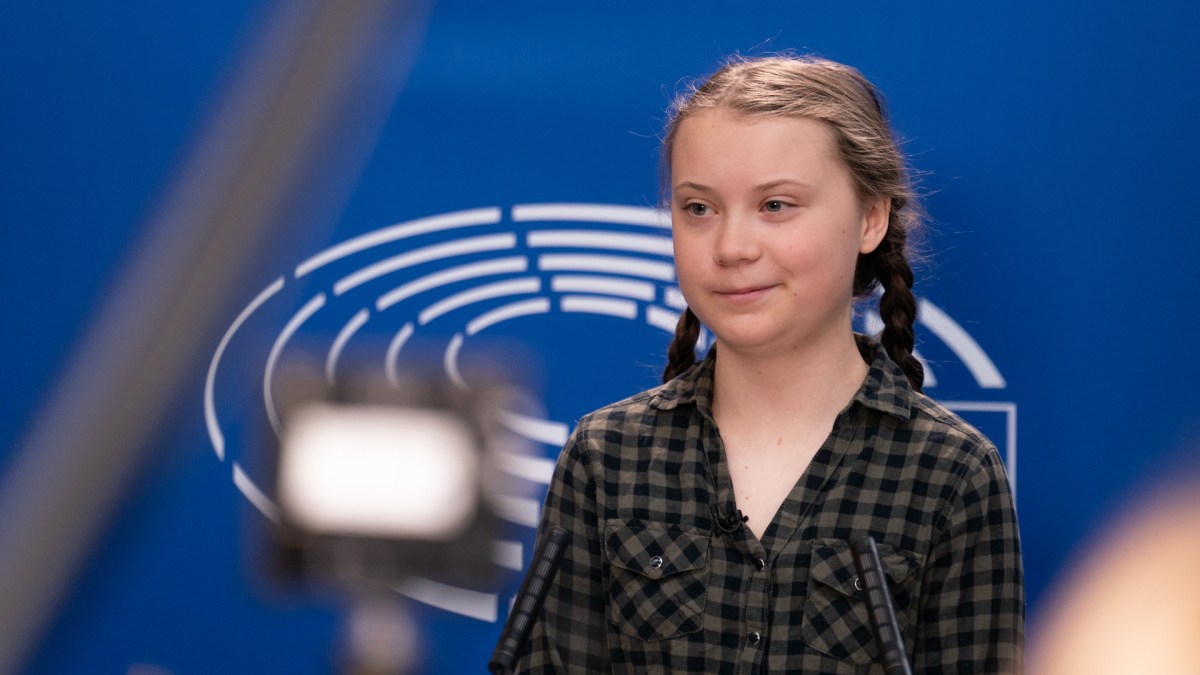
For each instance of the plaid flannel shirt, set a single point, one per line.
(652, 582)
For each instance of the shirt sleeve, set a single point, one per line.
(973, 612)
(569, 635)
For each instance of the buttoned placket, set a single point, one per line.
(758, 601)
(760, 555)
(788, 521)
(758, 595)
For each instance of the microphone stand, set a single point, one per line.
(529, 601)
(879, 606)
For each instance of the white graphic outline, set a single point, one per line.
(621, 274)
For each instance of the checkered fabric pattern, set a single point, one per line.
(653, 583)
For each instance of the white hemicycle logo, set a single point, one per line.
(453, 277)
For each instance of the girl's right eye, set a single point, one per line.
(696, 209)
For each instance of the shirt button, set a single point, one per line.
(656, 562)
(754, 638)
(760, 564)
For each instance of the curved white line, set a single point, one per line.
(594, 213)
(281, 341)
(930, 376)
(493, 242)
(673, 297)
(625, 309)
(662, 318)
(600, 285)
(210, 407)
(479, 294)
(339, 343)
(449, 276)
(509, 554)
(393, 353)
(446, 221)
(640, 243)
(254, 495)
(635, 267)
(450, 361)
(519, 510)
(532, 469)
(543, 431)
(961, 343)
(872, 323)
(511, 311)
(474, 604)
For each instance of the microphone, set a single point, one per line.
(879, 606)
(529, 600)
(729, 523)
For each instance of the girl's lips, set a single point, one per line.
(744, 295)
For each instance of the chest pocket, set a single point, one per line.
(835, 614)
(659, 580)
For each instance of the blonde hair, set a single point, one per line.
(841, 97)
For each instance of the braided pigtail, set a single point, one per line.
(681, 355)
(897, 305)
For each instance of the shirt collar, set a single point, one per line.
(693, 387)
(885, 388)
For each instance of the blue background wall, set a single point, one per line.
(1059, 142)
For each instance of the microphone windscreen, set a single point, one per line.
(546, 559)
(879, 606)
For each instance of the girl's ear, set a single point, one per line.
(875, 223)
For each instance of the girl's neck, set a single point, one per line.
(810, 381)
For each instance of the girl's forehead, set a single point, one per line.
(726, 143)
(719, 126)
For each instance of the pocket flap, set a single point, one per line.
(655, 552)
(833, 564)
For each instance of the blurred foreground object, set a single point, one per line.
(377, 471)
(1133, 603)
(376, 484)
(302, 111)
(379, 484)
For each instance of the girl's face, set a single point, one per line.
(767, 229)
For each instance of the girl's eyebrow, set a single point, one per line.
(692, 186)
(764, 187)
(791, 182)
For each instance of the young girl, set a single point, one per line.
(711, 517)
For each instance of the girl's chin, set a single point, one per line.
(747, 340)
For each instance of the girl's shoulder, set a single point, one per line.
(931, 416)
(633, 410)
(671, 401)
(950, 451)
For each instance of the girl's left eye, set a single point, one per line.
(774, 206)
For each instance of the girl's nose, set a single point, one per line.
(736, 242)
